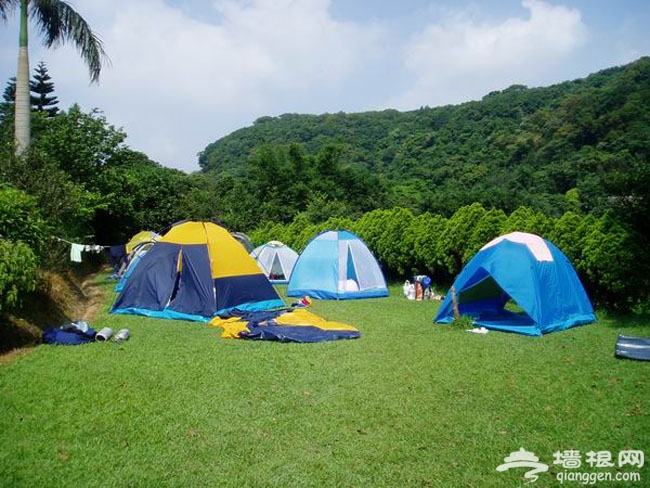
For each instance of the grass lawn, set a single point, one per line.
(408, 404)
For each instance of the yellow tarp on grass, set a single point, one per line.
(300, 317)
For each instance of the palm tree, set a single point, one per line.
(58, 23)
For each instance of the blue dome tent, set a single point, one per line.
(337, 265)
(528, 270)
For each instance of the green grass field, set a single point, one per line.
(409, 404)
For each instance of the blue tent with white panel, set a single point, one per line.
(337, 265)
(519, 283)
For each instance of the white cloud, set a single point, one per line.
(183, 81)
(463, 57)
(186, 72)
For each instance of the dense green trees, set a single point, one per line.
(515, 147)
(88, 184)
(425, 189)
(605, 253)
(281, 181)
(570, 162)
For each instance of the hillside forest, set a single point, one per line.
(425, 189)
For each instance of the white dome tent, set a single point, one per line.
(276, 260)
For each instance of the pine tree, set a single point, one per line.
(8, 100)
(41, 86)
(9, 95)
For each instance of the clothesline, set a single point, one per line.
(88, 245)
(76, 249)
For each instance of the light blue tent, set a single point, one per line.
(337, 265)
(529, 271)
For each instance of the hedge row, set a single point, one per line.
(610, 260)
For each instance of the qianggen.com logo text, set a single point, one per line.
(593, 478)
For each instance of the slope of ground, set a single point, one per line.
(60, 298)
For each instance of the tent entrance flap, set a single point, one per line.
(485, 288)
(276, 272)
(195, 288)
(351, 272)
(489, 305)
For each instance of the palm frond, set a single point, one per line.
(6, 7)
(59, 23)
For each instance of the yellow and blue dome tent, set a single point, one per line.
(139, 238)
(194, 272)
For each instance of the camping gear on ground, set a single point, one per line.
(409, 290)
(104, 334)
(479, 330)
(276, 260)
(631, 347)
(72, 334)
(194, 272)
(285, 325)
(80, 325)
(122, 335)
(337, 265)
(524, 269)
(304, 302)
(422, 287)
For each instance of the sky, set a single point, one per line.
(184, 73)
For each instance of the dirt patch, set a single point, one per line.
(60, 298)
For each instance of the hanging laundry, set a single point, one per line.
(75, 252)
(93, 248)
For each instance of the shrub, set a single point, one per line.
(610, 260)
(20, 218)
(17, 272)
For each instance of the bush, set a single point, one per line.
(608, 256)
(610, 260)
(17, 272)
(20, 219)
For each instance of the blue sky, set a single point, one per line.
(184, 73)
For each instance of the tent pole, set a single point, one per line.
(454, 302)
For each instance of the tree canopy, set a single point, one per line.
(425, 189)
(582, 143)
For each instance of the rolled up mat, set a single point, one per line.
(122, 335)
(631, 347)
(104, 334)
